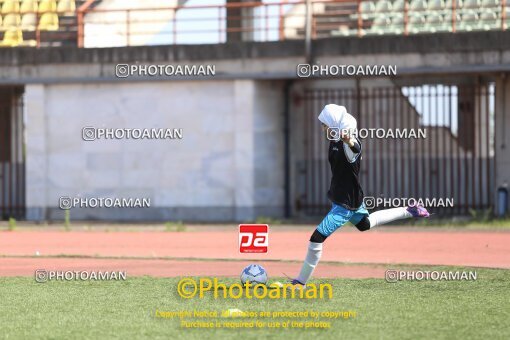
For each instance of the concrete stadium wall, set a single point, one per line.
(228, 166)
(428, 54)
(68, 88)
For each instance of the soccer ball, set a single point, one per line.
(255, 274)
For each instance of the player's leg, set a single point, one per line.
(336, 218)
(313, 256)
(364, 221)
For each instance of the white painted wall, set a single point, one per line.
(110, 25)
(228, 164)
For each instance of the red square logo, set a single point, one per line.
(253, 238)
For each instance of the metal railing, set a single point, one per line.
(251, 21)
(256, 21)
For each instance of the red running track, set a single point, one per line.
(176, 268)
(462, 248)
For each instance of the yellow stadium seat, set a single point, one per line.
(28, 43)
(48, 22)
(11, 21)
(0, 22)
(12, 38)
(47, 6)
(67, 7)
(28, 6)
(29, 22)
(10, 6)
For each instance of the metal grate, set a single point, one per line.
(455, 160)
(12, 157)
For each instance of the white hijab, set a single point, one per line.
(336, 117)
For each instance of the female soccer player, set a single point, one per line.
(345, 191)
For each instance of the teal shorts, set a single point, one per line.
(338, 216)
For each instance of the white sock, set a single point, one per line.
(312, 259)
(388, 215)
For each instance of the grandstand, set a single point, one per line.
(109, 23)
(410, 17)
(437, 16)
(38, 22)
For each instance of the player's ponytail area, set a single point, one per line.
(132, 282)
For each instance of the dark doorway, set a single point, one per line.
(12, 153)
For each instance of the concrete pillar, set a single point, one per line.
(258, 151)
(244, 200)
(502, 133)
(36, 160)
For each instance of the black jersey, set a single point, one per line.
(345, 189)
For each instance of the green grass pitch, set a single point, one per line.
(126, 310)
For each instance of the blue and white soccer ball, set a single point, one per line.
(255, 274)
